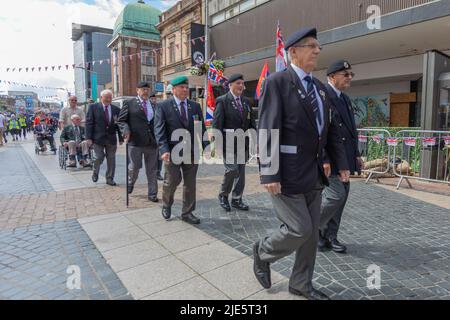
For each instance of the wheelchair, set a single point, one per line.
(63, 156)
(37, 148)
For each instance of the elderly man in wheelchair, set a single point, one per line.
(44, 132)
(74, 141)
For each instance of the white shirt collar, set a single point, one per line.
(178, 101)
(338, 92)
(235, 97)
(300, 72)
(148, 101)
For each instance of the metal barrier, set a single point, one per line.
(375, 150)
(422, 155)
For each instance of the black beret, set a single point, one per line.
(235, 77)
(152, 95)
(300, 35)
(143, 84)
(338, 66)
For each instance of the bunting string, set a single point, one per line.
(87, 65)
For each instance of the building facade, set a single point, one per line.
(134, 49)
(175, 27)
(90, 44)
(388, 59)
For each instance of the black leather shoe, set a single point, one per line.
(130, 188)
(190, 218)
(238, 204)
(94, 177)
(111, 183)
(160, 177)
(323, 244)
(224, 203)
(153, 199)
(166, 213)
(261, 269)
(338, 247)
(312, 295)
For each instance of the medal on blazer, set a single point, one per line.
(301, 94)
(248, 109)
(322, 94)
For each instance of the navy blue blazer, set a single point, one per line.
(342, 114)
(98, 130)
(286, 107)
(168, 119)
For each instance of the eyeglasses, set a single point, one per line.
(311, 46)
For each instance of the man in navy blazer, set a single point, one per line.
(335, 196)
(179, 115)
(294, 129)
(102, 131)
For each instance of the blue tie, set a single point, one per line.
(314, 103)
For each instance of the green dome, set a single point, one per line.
(138, 20)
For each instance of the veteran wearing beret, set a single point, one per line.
(233, 112)
(178, 115)
(136, 121)
(335, 196)
(294, 129)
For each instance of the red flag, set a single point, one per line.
(210, 104)
(264, 75)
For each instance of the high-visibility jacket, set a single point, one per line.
(14, 124)
(22, 122)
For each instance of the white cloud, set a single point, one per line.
(38, 33)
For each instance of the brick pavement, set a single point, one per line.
(34, 263)
(19, 174)
(409, 240)
(406, 237)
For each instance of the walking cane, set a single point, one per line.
(126, 168)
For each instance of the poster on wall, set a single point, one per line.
(197, 45)
(372, 111)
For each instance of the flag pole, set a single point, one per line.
(206, 50)
(126, 176)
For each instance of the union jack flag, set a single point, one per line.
(216, 75)
(281, 56)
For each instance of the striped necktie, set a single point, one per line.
(314, 103)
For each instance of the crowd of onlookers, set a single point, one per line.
(16, 126)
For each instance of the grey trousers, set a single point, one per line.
(299, 232)
(150, 156)
(334, 199)
(234, 179)
(172, 178)
(108, 151)
(73, 146)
